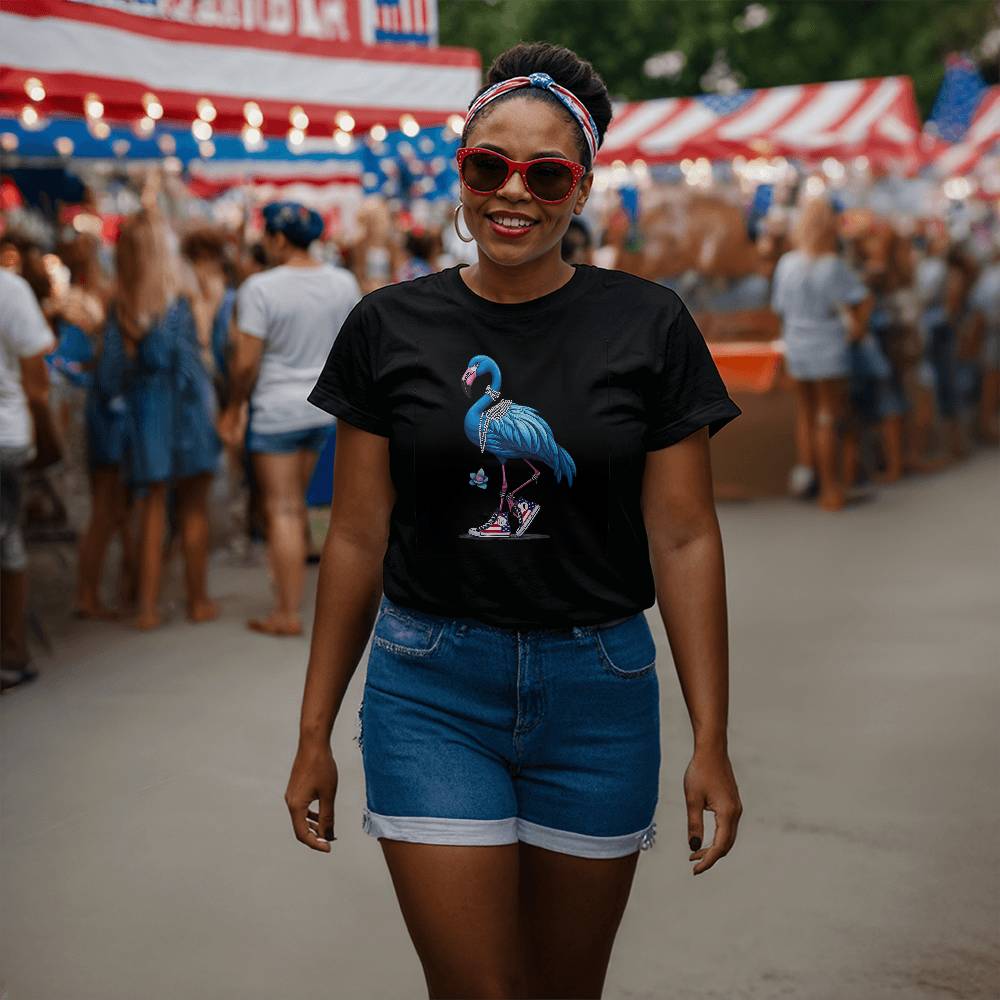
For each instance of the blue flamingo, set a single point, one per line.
(509, 431)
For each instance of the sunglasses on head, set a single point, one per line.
(550, 179)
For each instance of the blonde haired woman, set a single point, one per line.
(824, 306)
(171, 438)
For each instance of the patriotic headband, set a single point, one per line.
(544, 82)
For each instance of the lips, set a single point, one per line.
(511, 224)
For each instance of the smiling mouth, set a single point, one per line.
(508, 221)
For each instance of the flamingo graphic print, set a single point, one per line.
(509, 432)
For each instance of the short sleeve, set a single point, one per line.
(251, 312)
(848, 287)
(688, 392)
(348, 385)
(25, 328)
(778, 286)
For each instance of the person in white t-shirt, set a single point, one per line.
(25, 339)
(287, 319)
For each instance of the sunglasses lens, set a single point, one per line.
(550, 181)
(483, 171)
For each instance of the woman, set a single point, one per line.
(287, 319)
(824, 308)
(81, 364)
(170, 410)
(510, 721)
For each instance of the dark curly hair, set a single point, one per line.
(567, 69)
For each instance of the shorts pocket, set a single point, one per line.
(627, 649)
(407, 635)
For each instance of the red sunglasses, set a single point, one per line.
(549, 178)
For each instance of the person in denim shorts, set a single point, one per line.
(522, 470)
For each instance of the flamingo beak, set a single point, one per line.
(468, 377)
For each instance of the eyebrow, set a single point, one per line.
(534, 156)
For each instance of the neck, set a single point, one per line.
(517, 282)
(300, 258)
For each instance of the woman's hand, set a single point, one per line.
(314, 776)
(709, 784)
(232, 425)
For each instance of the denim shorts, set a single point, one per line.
(287, 442)
(472, 734)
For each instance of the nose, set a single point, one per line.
(515, 189)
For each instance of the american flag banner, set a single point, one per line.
(957, 99)
(981, 137)
(311, 65)
(876, 117)
(412, 22)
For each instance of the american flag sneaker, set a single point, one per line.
(498, 526)
(526, 511)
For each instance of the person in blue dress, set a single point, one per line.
(79, 361)
(170, 411)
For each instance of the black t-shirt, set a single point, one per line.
(565, 393)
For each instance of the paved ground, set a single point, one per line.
(146, 851)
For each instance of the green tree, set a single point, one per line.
(803, 41)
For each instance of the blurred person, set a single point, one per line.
(287, 319)
(170, 405)
(25, 340)
(939, 285)
(875, 363)
(824, 308)
(213, 298)
(576, 244)
(419, 246)
(511, 707)
(984, 303)
(80, 314)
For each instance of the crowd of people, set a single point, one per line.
(192, 358)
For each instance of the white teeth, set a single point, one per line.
(511, 223)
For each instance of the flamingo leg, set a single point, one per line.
(536, 473)
(503, 486)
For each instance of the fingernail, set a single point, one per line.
(694, 843)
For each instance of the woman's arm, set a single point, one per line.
(686, 552)
(347, 601)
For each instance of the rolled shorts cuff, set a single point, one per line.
(495, 832)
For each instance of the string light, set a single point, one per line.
(456, 123)
(34, 89)
(342, 139)
(345, 121)
(206, 110)
(201, 130)
(378, 132)
(8, 142)
(29, 116)
(252, 137)
(93, 106)
(253, 114)
(64, 145)
(296, 136)
(99, 129)
(298, 118)
(206, 149)
(120, 147)
(409, 125)
(145, 125)
(154, 109)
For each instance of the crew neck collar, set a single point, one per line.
(559, 297)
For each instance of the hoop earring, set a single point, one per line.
(458, 208)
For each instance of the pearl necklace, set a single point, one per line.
(495, 412)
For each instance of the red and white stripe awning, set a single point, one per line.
(877, 118)
(956, 159)
(277, 53)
